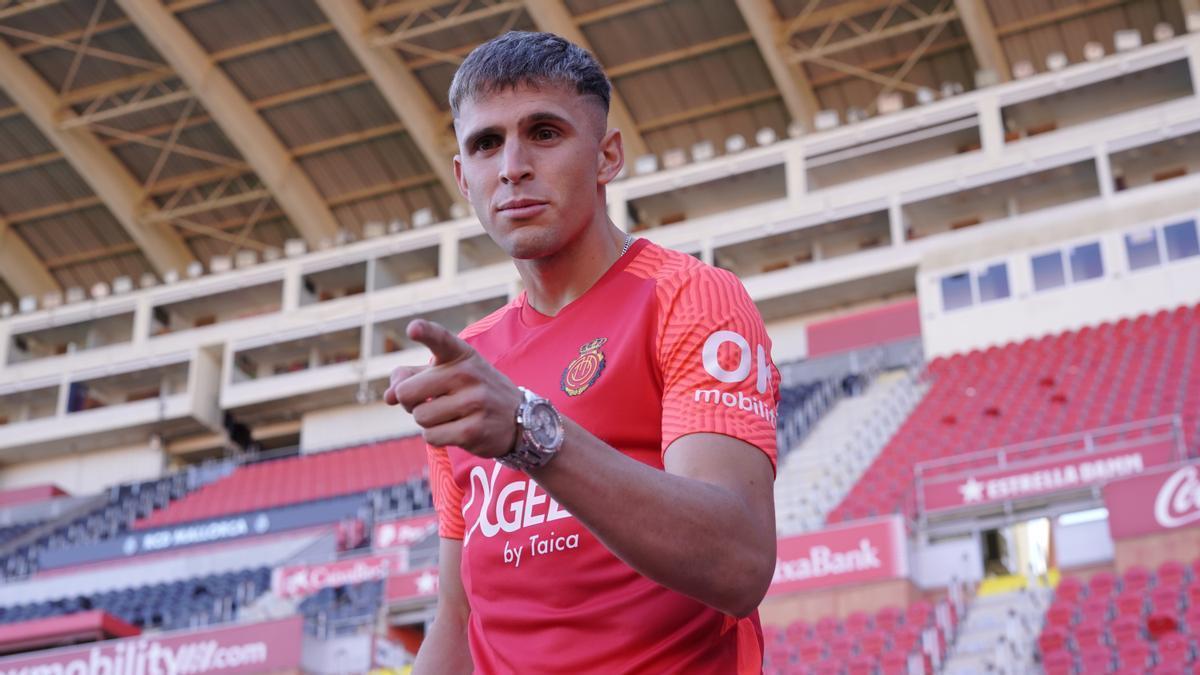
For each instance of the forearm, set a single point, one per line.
(444, 650)
(692, 536)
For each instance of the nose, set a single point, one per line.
(514, 164)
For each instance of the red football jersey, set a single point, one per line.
(660, 347)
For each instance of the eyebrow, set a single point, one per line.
(532, 118)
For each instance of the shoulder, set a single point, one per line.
(678, 274)
(482, 326)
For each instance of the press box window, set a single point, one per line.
(1086, 262)
(1048, 271)
(1181, 240)
(993, 283)
(956, 292)
(1142, 249)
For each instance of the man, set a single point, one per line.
(602, 448)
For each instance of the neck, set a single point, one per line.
(552, 282)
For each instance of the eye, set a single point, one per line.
(486, 143)
(545, 134)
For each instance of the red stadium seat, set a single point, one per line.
(894, 663)
(857, 622)
(1159, 625)
(1173, 649)
(1089, 635)
(842, 647)
(1060, 615)
(1058, 663)
(1171, 573)
(1125, 629)
(798, 631)
(887, 618)
(1069, 590)
(827, 627)
(1134, 655)
(1101, 584)
(1052, 640)
(1135, 578)
(1130, 603)
(861, 665)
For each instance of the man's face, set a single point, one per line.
(533, 162)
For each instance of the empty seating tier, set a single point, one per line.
(282, 482)
(882, 643)
(170, 605)
(1120, 372)
(1138, 622)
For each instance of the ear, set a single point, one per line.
(461, 179)
(612, 156)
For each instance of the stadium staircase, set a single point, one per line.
(817, 474)
(1077, 381)
(996, 637)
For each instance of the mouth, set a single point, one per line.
(519, 209)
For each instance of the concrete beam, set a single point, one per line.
(93, 161)
(400, 87)
(981, 30)
(20, 267)
(227, 105)
(552, 16)
(790, 78)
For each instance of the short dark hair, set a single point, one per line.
(526, 58)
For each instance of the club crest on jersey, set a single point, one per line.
(585, 369)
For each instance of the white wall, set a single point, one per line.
(942, 561)
(89, 473)
(789, 339)
(1120, 293)
(354, 425)
(1082, 544)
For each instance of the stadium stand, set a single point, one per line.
(103, 518)
(1137, 622)
(820, 470)
(166, 606)
(332, 611)
(1040, 388)
(306, 478)
(892, 641)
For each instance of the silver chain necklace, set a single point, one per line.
(628, 243)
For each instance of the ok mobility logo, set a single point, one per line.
(739, 374)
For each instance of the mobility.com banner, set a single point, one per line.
(246, 648)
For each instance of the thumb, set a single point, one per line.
(446, 346)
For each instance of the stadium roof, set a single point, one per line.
(138, 136)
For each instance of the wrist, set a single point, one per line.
(538, 434)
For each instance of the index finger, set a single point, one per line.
(446, 346)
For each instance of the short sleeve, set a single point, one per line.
(447, 496)
(715, 359)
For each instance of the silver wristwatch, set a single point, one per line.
(539, 434)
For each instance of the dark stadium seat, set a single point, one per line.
(169, 605)
(294, 480)
(111, 517)
(1054, 385)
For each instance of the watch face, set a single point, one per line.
(543, 425)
